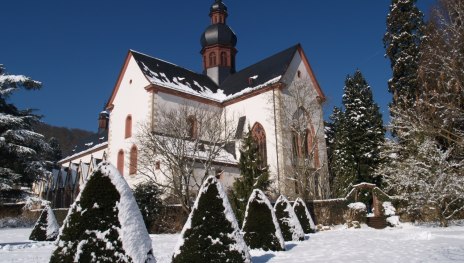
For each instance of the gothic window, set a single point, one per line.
(311, 146)
(192, 127)
(223, 59)
(212, 59)
(133, 160)
(259, 135)
(121, 162)
(128, 131)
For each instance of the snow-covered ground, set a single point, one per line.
(406, 244)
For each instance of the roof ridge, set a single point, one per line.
(165, 61)
(275, 54)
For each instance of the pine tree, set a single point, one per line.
(425, 163)
(260, 227)
(211, 233)
(288, 221)
(252, 176)
(304, 216)
(359, 134)
(402, 43)
(21, 149)
(104, 224)
(46, 228)
(148, 199)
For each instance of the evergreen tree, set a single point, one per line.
(425, 163)
(260, 227)
(104, 224)
(252, 176)
(359, 133)
(55, 153)
(402, 43)
(211, 233)
(288, 221)
(21, 149)
(304, 216)
(46, 228)
(148, 199)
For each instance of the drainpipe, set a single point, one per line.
(276, 141)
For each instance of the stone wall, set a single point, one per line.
(334, 212)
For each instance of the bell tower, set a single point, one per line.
(218, 45)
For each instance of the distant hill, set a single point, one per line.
(68, 138)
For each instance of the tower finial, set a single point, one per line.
(218, 45)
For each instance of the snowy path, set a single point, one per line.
(408, 244)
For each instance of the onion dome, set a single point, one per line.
(218, 34)
(218, 6)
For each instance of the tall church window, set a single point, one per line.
(312, 148)
(121, 162)
(212, 59)
(128, 130)
(223, 59)
(259, 136)
(192, 126)
(133, 160)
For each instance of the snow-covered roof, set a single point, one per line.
(192, 150)
(257, 76)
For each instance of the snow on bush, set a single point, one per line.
(304, 216)
(260, 227)
(288, 221)
(46, 228)
(104, 224)
(211, 233)
(389, 209)
(358, 206)
(393, 221)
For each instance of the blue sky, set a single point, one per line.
(77, 48)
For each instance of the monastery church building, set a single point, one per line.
(252, 97)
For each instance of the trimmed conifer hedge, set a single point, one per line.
(260, 227)
(104, 224)
(288, 222)
(211, 233)
(303, 215)
(46, 228)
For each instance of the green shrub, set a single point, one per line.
(304, 217)
(147, 196)
(260, 227)
(211, 233)
(288, 222)
(104, 224)
(46, 228)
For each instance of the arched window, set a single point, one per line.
(212, 59)
(192, 127)
(259, 135)
(223, 59)
(128, 131)
(133, 160)
(121, 162)
(311, 146)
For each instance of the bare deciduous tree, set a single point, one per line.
(178, 151)
(302, 128)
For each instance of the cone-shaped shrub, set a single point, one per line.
(104, 224)
(288, 222)
(211, 233)
(260, 227)
(46, 228)
(304, 216)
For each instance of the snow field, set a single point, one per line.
(405, 244)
